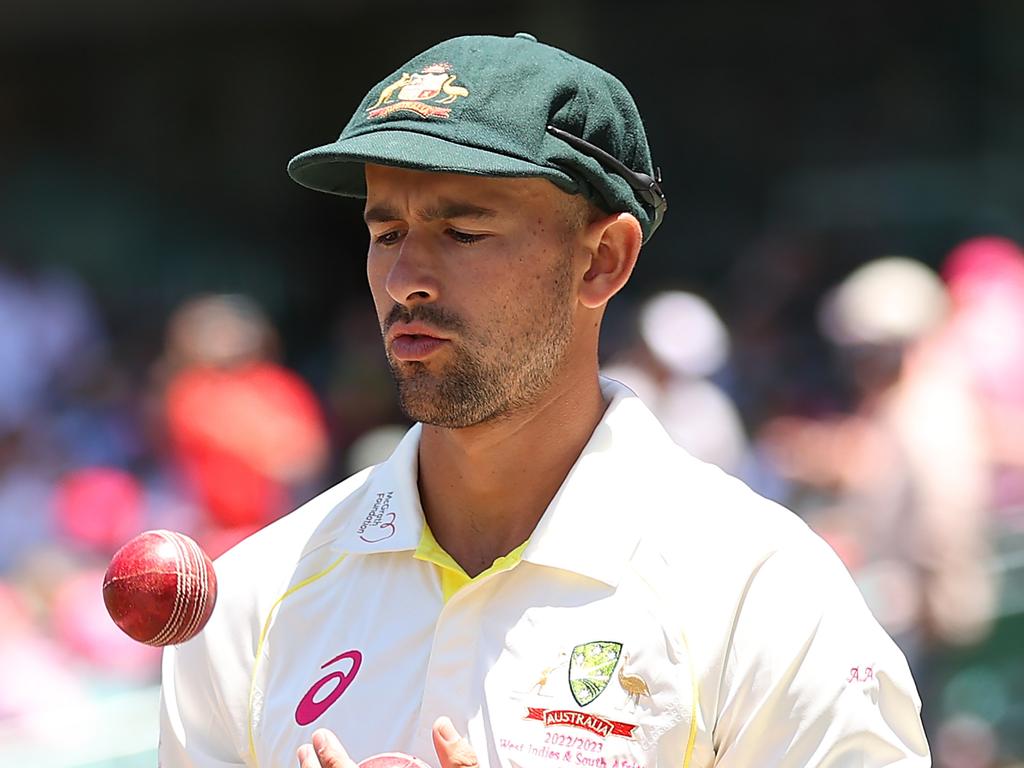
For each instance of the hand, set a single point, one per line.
(326, 751)
(453, 751)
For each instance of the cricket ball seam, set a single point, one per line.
(199, 607)
(170, 626)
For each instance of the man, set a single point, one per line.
(538, 576)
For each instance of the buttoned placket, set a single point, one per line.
(451, 682)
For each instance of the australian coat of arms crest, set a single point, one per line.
(419, 92)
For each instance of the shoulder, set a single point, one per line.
(707, 517)
(708, 539)
(276, 549)
(254, 573)
(207, 677)
(695, 523)
(760, 598)
(293, 532)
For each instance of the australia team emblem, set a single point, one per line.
(421, 93)
(591, 666)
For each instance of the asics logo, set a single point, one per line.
(328, 689)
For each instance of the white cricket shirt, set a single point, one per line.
(661, 614)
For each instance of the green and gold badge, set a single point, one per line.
(591, 668)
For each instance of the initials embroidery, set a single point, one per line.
(861, 674)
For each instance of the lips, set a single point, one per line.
(413, 342)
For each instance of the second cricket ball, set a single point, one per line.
(160, 588)
(392, 760)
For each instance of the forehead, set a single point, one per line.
(404, 186)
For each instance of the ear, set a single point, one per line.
(613, 244)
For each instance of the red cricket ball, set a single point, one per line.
(392, 760)
(160, 588)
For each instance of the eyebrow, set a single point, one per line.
(444, 209)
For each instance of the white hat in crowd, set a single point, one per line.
(892, 300)
(684, 333)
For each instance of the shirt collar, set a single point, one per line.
(383, 514)
(591, 527)
(594, 523)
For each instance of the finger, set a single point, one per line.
(453, 751)
(328, 751)
(307, 757)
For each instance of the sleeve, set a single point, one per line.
(198, 728)
(810, 678)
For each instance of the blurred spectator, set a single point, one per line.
(49, 337)
(26, 480)
(986, 282)
(900, 485)
(965, 742)
(80, 622)
(32, 667)
(374, 446)
(50, 342)
(247, 433)
(360, 390)
(99, 508)
(682, 343)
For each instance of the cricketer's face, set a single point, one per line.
(473, 282)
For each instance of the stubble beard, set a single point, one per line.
(470, 389)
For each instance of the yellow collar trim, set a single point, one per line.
(453, 577)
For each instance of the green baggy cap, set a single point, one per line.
(498, 106)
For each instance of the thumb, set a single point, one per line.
(453, 751)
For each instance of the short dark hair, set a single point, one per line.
(579, 211)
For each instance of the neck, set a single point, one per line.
(484, 488)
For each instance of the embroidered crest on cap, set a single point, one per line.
(420, 92)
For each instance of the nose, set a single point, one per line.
(411, 279)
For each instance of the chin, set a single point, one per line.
(456, 398)
(440, 409)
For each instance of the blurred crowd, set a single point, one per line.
(896, 431)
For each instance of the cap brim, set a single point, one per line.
(338, 167)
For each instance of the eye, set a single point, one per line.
(388, 238)
(465, 238)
